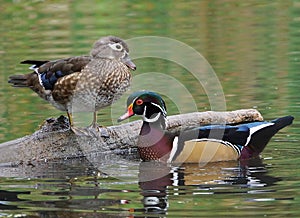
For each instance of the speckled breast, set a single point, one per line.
(101, 83)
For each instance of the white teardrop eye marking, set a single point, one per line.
(116, 46)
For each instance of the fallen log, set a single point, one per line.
(54, 141)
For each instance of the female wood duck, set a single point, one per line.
(82, 83)
(210, 143)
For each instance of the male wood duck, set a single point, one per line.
(88, 83)
(210, 143)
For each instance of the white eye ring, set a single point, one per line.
(116, 46)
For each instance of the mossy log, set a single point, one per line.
(54, 141)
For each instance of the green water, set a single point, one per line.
(254, 50)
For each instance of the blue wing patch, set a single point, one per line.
(238, 134)
(48, 79)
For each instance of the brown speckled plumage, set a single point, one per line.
(82, 83)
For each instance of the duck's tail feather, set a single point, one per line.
(25, 80)
(19, 80)
(34, 62)
(283, 122)
(260, 138)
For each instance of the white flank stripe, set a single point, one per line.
(33, 67)
(40, 79)
(174, 149)
(255, 129)
(36, 70)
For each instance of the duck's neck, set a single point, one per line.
(159, 124)
(154, 143)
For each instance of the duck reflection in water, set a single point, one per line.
(160, 181)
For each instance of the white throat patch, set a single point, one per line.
(150, 120)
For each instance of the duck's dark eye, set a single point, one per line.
(116, 46)
(139, 102)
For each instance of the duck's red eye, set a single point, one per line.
(139, 102)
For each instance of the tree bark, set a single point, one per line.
(54, 141)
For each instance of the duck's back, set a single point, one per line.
(228, 142)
